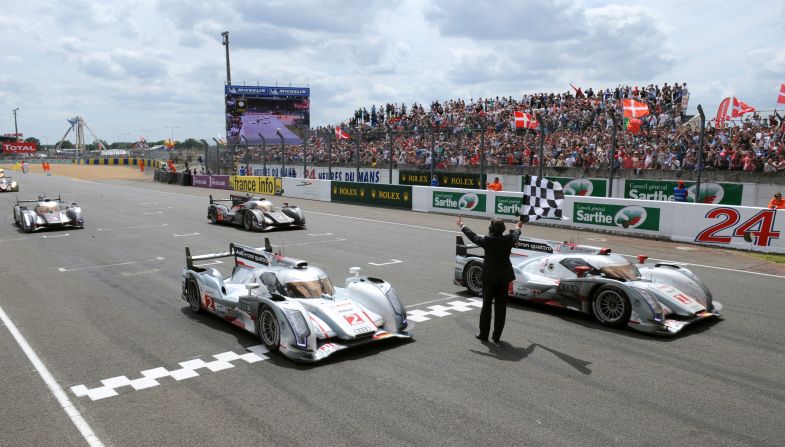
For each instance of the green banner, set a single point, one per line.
(585, 187)
(372, 194)
(460, 201)
(717, 193)
(507, 206)
(627, 217)
(446, 179)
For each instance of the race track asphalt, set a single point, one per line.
(104, 302)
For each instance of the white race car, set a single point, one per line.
(292, 306)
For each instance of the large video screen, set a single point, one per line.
(253, 110)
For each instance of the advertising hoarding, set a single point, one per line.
(270, 111)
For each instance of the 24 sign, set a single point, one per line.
(760, 227)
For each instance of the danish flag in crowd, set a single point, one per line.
(634, 109)
(341, 134)
(525, 121)
(740, 108)
(781, 98)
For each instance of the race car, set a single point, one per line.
(292, 306)
(32, 215)
(8, 184)
(659, 299)
(254, 213)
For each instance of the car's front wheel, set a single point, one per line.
(611, 306)
(472, 277)
(269, 330)
(213, 216)
(193, 295)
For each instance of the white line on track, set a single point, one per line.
(139, 273)
(54, 235)
(183, 235)
(340, 239)
(392, 261)
(150, 203)
(76, 418)
(153, 212)
(320, 234)
(447, 295)
(131, 228)
(27, 238)
(64, 269)
(405, 225)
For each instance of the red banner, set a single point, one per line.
(722, 113)
(19, 147)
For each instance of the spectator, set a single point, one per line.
(435, 181)
(496, 185)
(776, 202)
(680, 192)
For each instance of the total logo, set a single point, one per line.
(579, 187)
(468, 201)
(630, 217)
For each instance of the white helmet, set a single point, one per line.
(2, 172)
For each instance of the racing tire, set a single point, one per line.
(248, 221)
(472, 277)
(268, 329)
(213, 216)
(611, 307)
(193, 295)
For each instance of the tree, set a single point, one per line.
(190, 143)
(33, 140)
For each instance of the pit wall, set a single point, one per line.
(704, 224)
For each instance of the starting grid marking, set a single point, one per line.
(188, 369)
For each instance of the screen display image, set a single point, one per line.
(254, 110)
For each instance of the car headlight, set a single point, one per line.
(299, 327)
(654, 305)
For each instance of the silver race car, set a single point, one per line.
(8, 184)
(254, 213)
(292, 306)
(654, 298)
(32, 215)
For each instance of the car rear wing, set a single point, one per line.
(266, 255)
(461, 247)
(218, 200)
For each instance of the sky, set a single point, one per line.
(156, 69)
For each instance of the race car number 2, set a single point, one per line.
(354, 319)
(760, 227)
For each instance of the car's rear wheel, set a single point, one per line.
(611, 306)
(248, 221)
(193, 295)
(472, 277)
(269, 330)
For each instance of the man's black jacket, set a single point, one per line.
(497, 266)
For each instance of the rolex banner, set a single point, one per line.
(372, 194)
(446, 179)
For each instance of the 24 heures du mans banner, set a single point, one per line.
(718, 193)
(446, 179)
(372, 194)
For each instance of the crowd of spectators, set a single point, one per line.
(577, 129)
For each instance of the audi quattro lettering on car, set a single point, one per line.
(292, 306)
(254, 213)
(32, 215)
(8, 184)
(654, 298)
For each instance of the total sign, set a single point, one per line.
(620, 216)
(459, 201)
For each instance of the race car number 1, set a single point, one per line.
(760, 227)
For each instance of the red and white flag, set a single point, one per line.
(781, 98)
(634, 109)
(525, 121)
(722, 113)
(341, 134)
(740, 108)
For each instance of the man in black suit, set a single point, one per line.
(496, 274)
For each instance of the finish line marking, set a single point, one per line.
(76, 418)
(183, 235)
(63, 269)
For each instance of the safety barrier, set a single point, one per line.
(118, 162)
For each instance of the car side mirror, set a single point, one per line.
(582, 270)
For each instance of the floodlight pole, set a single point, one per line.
(16, 129)
(225, 35)
(264, 154)
(700, 154)
(283, 151)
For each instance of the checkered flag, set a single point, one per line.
(541, 198)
